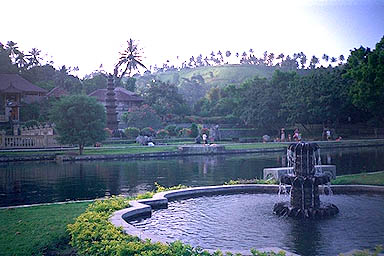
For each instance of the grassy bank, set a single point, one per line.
(116, 149)
(37, 230)
(375, 178)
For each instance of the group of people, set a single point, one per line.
(295, 137)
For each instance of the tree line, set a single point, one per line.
(306, 93)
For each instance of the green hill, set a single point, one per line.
(218, 75)
(194, 83)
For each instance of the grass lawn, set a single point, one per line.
(38, 229)
(255, 146)
(373, 178)
(130, 150)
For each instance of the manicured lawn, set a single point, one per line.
(130, 150)
(38, 229)
(255, 146)
(375, 178)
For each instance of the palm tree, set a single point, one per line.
(12, 49)
(34, 57)
(325, 58)
(129, 60)
(314, 61)
(280, 57)
(303, 59)
(221, 56)
(270, 59)
(20, 60)
(341, 59)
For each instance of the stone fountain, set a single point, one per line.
(304, 183)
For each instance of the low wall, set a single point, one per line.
(27, 141)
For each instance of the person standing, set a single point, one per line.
(282, 135)
(205, 139)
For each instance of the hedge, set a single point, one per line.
(93, 234)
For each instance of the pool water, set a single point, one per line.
(245, 221)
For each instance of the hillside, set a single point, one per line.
(194, 83)
(217, 75)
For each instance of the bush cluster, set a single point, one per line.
(132, 132)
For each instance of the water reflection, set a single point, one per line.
(33, 182)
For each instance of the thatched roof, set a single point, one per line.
(13, 83)
(57, 92)
(122, 94)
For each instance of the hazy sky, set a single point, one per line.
(87, 33)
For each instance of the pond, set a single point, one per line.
(43, 182)
(246, 221)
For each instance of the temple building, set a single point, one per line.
(124, 100)
(14, 90)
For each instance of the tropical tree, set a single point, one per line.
(165, 99)
(366, 68)
(6, 65)
(319, 97)
(141, 117)
(313, 62)
(80, 120)
(12, 50)
(34, 57)
(130, 59)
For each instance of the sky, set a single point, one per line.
(88, 33)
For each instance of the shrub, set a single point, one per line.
(177, 130)
(162, 134)
(171, 130)
(185, 132)
(132, 132)
(194, 130)
(147, 131)
(32, 123)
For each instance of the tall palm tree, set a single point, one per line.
(280, 57)
(313, 62)
(34, 57)
(303, 59)
(325, 58)
(12, 49)
(130, 59)
(20, 60)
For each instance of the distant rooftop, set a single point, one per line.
(13, 83)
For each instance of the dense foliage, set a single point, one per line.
(79, 120)
(366, 70)
(143, 116)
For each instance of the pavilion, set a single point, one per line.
(13, 90)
